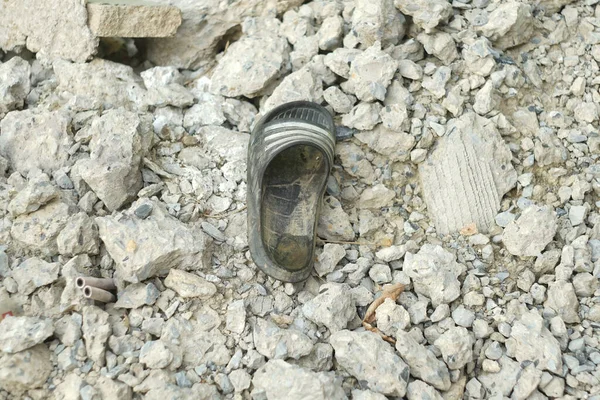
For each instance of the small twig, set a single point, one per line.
(389, 292)
(342, 242)
(227, 214)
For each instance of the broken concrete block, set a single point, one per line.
(205, 28)
(466, 175)
(36, 139)
(53, 29)
(132, 20)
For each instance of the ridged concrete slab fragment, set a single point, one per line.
(466, 175)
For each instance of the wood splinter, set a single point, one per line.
(389, 292)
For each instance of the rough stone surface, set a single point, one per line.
(434, 272)
(274, 342)
(279, 380)
(509, 25)
(426, 14)
(367, 357)
(422, 362)
(130, 20)
(96, 331)
(531, 232)
(153, 246)
(189, 285)
(535, 343)
(35, 139)
(119, 141)
(562, 299)
(34, 273)
(468, 172)
(15, 84)
(21, 333)
(25, 370)
(55, 31)
(333, 307)
(456, 345)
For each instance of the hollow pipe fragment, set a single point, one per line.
(100, 283)
(95, 293)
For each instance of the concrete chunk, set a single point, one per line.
(466, 175)
(113, 18)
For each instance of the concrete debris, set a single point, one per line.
(469, 171)
(15, 84)
(114, 175)
(36, 139)
(280, 380)
(368, 358)
(426, 14)
(54, 31)
(152, 246)
(21, 333)
(333, 307)
(458, 242)
(132, 20)
(509, 25)
(531, 232)
(434, 272)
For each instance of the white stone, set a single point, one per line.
(25, 370)
(509, 25)
(278, 380)
(36, 139)
(21, 333)
(330, 257)
(531, 232)
(456, 345)
(422, 362)
(334, 307)
(434, 273)
(154, 354)
(427, 14)
(34, 273)
(368, 358)
(274, 342)
(15, 83)
(152, 246)
(562, 299)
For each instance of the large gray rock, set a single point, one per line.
(21, 333)
(143, 248)
(14, 84)
(79, 236)
(25, 370)
(34, 273)
(367, 357)
(531, 232)
(165, 87)
(303, 84)
(533, 342)
(427, 14)
(466, 175)
(434, 272)
(194, 343)
(334, 307)
(377, 21)
(422, 362)
(96, 330)
(35, 139)
(38, 192)
(55, 30)
(370, 74)
(189, 285)
(278, 380)
(133, 20)
(419, 390)
(250, 65)
(509, 25)
(38, 231)
(563, 299)
(206, 27)
(456, 345)
(501, 382)
(101, 84)
(119, 141)
(274, 342)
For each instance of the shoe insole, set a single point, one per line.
(292, 187)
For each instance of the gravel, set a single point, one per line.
(467, 170)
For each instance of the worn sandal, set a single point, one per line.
(289, 157)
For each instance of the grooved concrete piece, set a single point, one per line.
(132, 19)
(466, 175)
